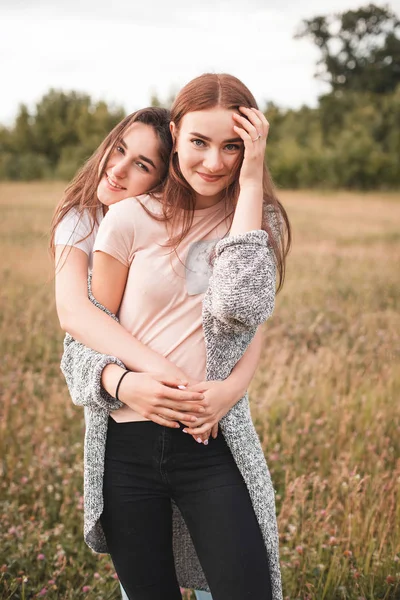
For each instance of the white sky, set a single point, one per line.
(123, 50)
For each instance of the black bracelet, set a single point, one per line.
(119, 383)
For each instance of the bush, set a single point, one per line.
(24, 167)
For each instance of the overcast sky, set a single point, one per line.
(123, 50)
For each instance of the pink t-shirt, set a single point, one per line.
(162, 302)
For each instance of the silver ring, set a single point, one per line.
(257, 138)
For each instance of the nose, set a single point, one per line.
(120, 168)
(213, 160)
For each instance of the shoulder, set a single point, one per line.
(119, 230)
(78, 228)
(127, 214)
(135, 206)
(73, 218)
(80, 219)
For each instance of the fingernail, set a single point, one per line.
(205, 442)
(199, 440)
(184, 430)
(201, 409)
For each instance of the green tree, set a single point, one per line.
(360, 48)
(22, 135)
(56, 138)
(68, 119)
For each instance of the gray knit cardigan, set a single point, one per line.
(240, 296)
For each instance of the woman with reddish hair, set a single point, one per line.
(191, 273)
(137, 150)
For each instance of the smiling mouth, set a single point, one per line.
(113, 184)
(210, 178)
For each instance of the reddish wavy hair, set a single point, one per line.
(203, 93)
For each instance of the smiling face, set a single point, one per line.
(208, 150)
(133, 167)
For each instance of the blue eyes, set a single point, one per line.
(202, 144)
(198, 143)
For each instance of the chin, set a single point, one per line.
(104, 198)
(207, 192)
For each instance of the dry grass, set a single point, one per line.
(325, 402)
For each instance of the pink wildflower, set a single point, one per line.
(332, 541)
(42, 592)
(40, 557)
(85, 589)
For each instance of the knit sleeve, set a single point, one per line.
(82, 368)
(241, 292)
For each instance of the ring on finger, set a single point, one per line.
(257, 138)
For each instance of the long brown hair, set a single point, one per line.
(81, 193)
(203, 93)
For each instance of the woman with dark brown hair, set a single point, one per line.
(191, 273)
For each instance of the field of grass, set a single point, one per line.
(325, 402)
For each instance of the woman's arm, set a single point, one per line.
(92, 379)
(94, 328)
(243, 372)
(241, 294)
(253, 129)
(242, 288)
(221, 396)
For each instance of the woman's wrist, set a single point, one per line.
(252, 185)
(234, 389)
(119, 384)
(110, 377)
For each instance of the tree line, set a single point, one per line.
(351, 139)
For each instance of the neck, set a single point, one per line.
(206, 201)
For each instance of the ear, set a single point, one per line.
(172, 128)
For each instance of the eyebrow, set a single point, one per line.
(204, 137)
(143, 158)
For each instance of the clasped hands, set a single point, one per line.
(197, 405)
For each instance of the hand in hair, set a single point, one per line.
(253, 128)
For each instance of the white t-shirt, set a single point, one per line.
(75, 226)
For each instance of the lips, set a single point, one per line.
(210, 178)
(113, 185)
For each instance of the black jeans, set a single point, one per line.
(147, 465)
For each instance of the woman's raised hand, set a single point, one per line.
(253, 128)
(157, 397)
